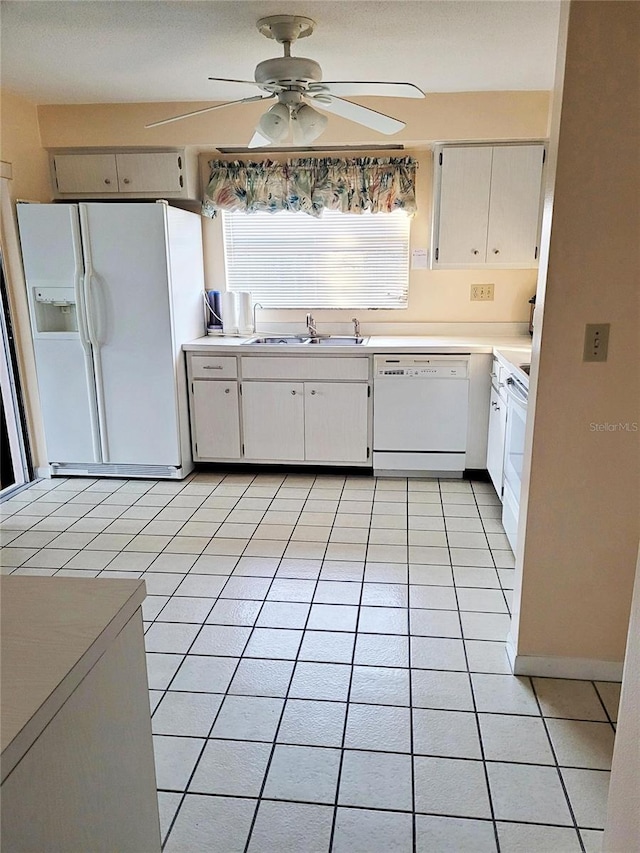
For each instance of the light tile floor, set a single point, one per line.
(327, 666)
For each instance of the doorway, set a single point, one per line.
(15, 466)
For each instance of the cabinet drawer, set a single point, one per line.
(213, 367)
(313, 368)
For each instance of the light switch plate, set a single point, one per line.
(596, 342)
(482, 293)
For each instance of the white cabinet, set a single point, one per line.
(273, 421)
(214, 407)
(487, 206)
(335, 422)
(495, 444)
(215, 419)
(127, 174)
(323, 422)
(85, 173)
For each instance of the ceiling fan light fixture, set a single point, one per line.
(307, 124)
(274, 124)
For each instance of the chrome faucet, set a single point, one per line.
(256, 305)
(311, 326)
(356, 327)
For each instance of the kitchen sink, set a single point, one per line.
(279, 339)
(326, 340)
(337, 341)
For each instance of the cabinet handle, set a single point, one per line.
(227, 390)
(107, 180)
(475, 252)
(293, 393)
(212, 367)
(497, 407)
(313, 393)
(496, 251)
(126, 181)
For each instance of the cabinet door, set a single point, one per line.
(86, 173)
(495, 444)
(150, 173)
(215, 420)
(335, 422)
(273, 420)
(464, 206)
(514, 208)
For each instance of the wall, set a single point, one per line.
(21, 147)
(622, 830)
(460, 116)
(434, 296)
(580, 525)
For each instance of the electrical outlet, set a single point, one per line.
(596, 342)
(482, 293)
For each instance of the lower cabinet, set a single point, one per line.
(273, 420)
(215, 419)
(495, 444)
(335, 422)
(305, 421)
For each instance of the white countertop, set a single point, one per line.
(513, 358)
(53, 632)
(372, 345)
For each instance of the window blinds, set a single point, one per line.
(292, 260)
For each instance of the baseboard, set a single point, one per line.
(43, 472)
(581, 669)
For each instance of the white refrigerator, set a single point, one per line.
(114, 290)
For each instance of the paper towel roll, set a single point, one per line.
(229, 305)
(245, 313)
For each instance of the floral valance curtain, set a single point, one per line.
(311, 185)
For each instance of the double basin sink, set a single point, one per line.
(305, 340)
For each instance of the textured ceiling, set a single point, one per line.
(134, 50)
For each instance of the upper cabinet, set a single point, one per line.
(124, 174)
(487, 206)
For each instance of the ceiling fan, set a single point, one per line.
(296, 85)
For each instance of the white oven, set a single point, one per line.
(517, 394)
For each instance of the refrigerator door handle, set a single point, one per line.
(93, 337)
(83, 333)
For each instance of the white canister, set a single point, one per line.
(229, 306)
(245, 313)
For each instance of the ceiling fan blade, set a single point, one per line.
(258, 141)
(362, 115)
(384, 90)
(231, 80)
(209, 109)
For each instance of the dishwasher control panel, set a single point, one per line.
(421, 367)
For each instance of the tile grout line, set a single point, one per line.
(336, 803)
(476, 714)
(282, 712)
(217, 714)
(414, 823)
(557, 766)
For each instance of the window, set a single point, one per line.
(341, 260)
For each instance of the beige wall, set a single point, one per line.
(441, 296)
(20, 146)
(581, 522)
(435, 296)
(439, 117)
(622, 831)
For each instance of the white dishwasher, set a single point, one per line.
(420, 408)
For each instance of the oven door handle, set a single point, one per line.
(515, 393)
